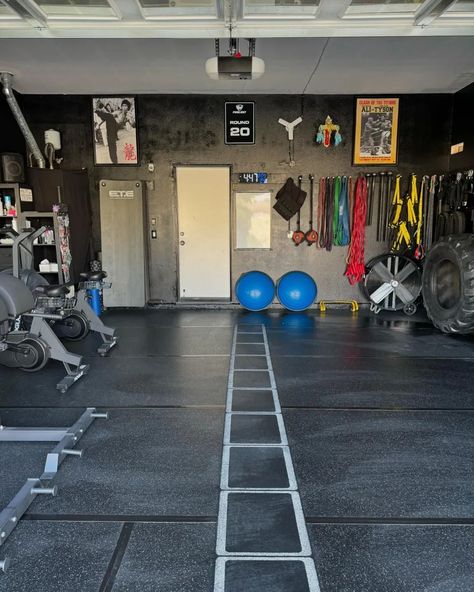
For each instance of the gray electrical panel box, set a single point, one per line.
(122, 219)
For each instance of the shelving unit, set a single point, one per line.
(45, 188)
(21, 198)
(50, 251)
(16, 192)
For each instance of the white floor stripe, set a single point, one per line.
(251, 388)
(250, 369)
(258, 333)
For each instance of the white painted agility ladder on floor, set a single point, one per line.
(254, 344)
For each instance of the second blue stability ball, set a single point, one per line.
(296, 290)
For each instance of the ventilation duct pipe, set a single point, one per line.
(6, 80)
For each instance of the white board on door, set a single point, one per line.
(204, 231)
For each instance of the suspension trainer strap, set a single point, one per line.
(419, 250)
(429, 220)
(406, 225)
(412, 202)
(397, 204)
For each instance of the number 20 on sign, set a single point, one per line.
(240, 122)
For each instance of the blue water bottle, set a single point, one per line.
(94, 300)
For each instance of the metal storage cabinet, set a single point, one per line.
(122, 208)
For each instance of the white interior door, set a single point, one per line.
(204, 231)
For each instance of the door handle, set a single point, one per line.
(182, 243)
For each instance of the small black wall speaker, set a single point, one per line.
(13, 168)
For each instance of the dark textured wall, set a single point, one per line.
(11, 138)
(463, 129)
(189, 130)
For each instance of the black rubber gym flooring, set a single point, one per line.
(379, 415)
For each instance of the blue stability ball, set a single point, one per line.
(255, 290)
(296, 290)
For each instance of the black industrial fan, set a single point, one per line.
(393, 282)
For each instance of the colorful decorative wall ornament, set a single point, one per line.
(328, 133)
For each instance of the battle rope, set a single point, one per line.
(355, 269)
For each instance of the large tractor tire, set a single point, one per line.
(448, 284)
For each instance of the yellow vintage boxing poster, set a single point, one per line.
(376, 131)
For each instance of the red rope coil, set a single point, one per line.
(355, 269)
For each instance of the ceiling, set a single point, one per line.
(309, 46)
(248, 18)
(310, 65)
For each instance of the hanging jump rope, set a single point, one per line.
(329, 213)
(322, 212)
(311, 236)
(335, 218)
(298, 235)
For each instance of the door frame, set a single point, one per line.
(175, 166)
